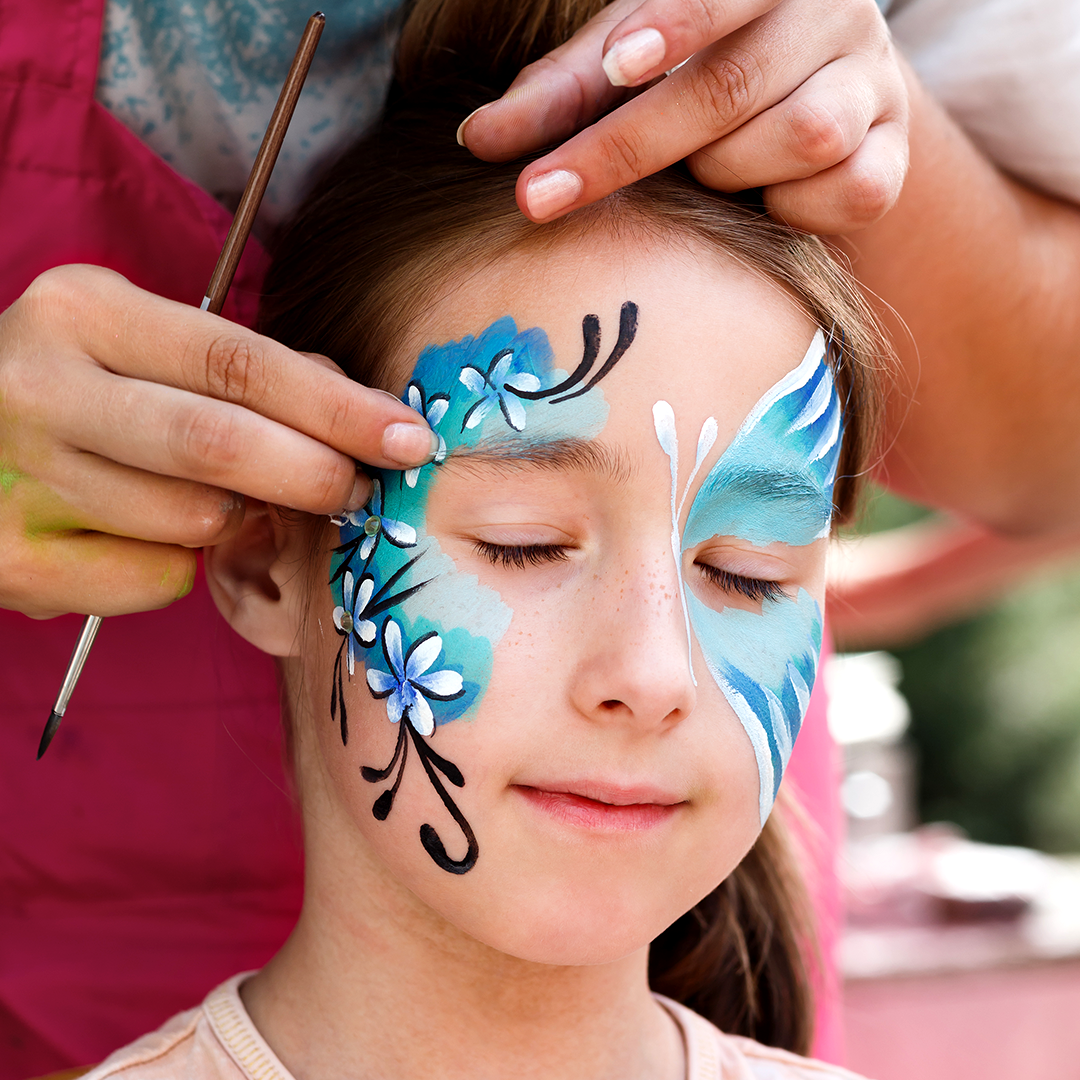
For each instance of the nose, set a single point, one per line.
(633, 665)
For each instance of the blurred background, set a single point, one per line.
(955, 700)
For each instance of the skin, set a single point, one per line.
(977, 277)
(803, 99)
(396, 968)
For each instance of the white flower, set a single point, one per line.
(493, 386)
(410, 684)
(350, 620)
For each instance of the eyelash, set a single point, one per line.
(520, 556)
(754, 589)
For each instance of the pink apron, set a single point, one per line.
(155, 850)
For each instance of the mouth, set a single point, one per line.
(600, 807)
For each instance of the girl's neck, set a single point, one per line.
(359, 995)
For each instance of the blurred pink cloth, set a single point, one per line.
(155, 850)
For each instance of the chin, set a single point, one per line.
(568, 924)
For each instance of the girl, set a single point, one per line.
(540, 717)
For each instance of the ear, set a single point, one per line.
(257, 579)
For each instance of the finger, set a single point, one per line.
(160, 429)
(134, 333)
(92, 574)
(716, 91)
(81, 490)
(849, 196)
(818, 126)
(551, 98)
(662, 33)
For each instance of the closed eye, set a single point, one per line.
(520, 556)
(755, 589)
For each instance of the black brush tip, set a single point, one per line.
(50, 730)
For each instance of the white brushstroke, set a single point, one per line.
(664, 424)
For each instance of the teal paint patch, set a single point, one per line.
(424, 631)
(773, 484)
(765, 665)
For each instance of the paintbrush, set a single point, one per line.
(216, 292)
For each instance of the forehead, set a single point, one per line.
(712, 336)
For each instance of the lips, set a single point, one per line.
(598, 806)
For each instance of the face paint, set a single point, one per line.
(772, 484)
(424, 631)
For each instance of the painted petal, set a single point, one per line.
(392, 644)
(423, 655)
(339, 614)
(422, 717)
(410, 476)
(398, 532)
(705, 441)
(513, 410)
(478, 412)
(366, 631)
(380, 682)
(437, 409)
(394, 707)
(440, 454)
(500, 368)
(363, 594)
(374, 506)
(523, 380)
(664, 423)
(348, 584)
(443, 684)
(367, 545)
(350, 655)
(416, 402)
(473, 379)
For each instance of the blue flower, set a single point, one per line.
(492, 386)
(432, 410)
(409, 684)
(374, 524)
(350, 620)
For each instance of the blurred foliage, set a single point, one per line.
(995, 703)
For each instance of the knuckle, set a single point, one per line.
(233, 368)
(209, 515)
(866, 195)
(729, 86)
(329, 484)
(626, 153)
(817, 136)
(205, 441)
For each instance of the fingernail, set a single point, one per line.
(361, 492)
(461, 126)
(548, 193)
(409, 444)
(632, 56)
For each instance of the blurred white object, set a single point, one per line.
(868, 717)
(864, 702)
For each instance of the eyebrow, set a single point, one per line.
(771, 484)
(558, 455)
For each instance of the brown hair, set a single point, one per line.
(403, 212)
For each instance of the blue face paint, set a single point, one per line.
(772, 484)
(424, 631)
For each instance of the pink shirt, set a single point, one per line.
(218, 1041)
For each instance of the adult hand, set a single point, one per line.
(128, 423)
(799, 97)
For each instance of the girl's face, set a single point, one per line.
(570, 656)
